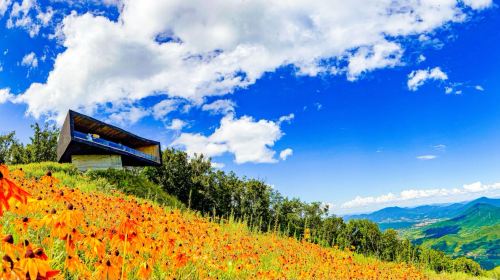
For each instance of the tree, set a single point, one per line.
(11, 150)
(217, 193)
(43, 146)
(6, 142)
(390, 245)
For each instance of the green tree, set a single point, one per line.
(43, 146)
(11, 150)
(6, 142)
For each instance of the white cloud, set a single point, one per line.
(415, 194)
(216, 47)
(5, 95)
(217, 165)
(286, 153)
(380, 55)
(478, 4)
(421, 58)
(46, 17)
(440, 147)
(448, 90)
(164, 107)
(287, 119)
(20, 17)
(221, 106)
(479, 88)
(249, 140)
(30, 60)
(417, 78)
(4, 5)
(129, 115)
(177, 124)
(427, 157)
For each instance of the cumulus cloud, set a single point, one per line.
(196, 49)
(286, 153)
(427, 157)
(177, 124)
(414, 194)
(5, 95)
(221, 106)
(249, 140)
(478, 4)
(379, 55)
(130, 115)
(419, 77)
(30, 60)
(479, 88)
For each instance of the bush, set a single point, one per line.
(135, 183)
(35, 170)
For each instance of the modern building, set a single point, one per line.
(92, 144)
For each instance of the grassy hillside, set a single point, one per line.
(474, 233)
(78, 226)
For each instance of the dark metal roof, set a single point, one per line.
(73, 140)
(110, 132)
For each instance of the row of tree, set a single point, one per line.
(42, 146)
(225, 195)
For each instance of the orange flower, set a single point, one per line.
(9, 189)
(8, 246)
(8, 270)
(48, 179)
(180, 260)
(36, 268)
(107, 270)
(145, 270)
(74, 264)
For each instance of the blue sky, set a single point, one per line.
(359, 106)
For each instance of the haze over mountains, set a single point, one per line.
(470, 229)
(404, 217)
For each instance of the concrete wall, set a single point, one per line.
(86, 162)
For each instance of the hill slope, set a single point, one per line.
(93, 232)
(474, 233)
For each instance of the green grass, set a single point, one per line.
(127, 181)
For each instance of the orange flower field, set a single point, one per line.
(51, 231)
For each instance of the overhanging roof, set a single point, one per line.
(110, 132)
(74, 139)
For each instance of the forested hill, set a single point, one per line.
(474, 233)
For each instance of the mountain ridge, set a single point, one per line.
(405, 217)
(474, 233)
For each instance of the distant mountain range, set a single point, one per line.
(403, 217)
(469, 229)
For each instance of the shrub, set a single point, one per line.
(135, 183)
